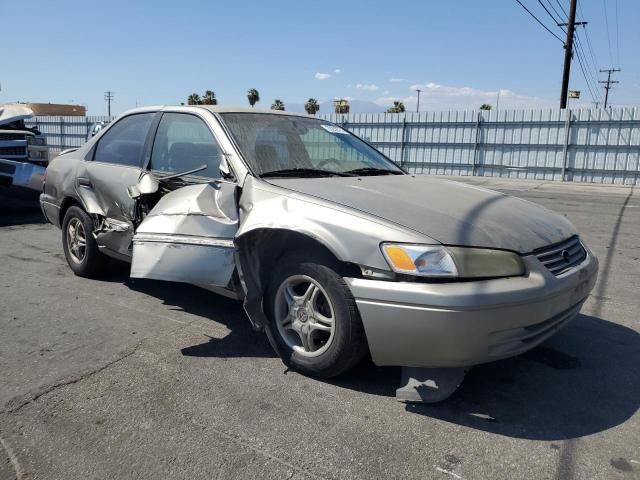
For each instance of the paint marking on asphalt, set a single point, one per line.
(448, 472)
(13, 459)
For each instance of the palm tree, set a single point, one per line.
(312, 106)
(209, 98)
(253, 96)
(277, 105)
(485, 106)
(194, 99)
(398, 107)
(341, 105)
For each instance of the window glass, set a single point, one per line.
(276, 143)
(184, 142)
(123, 144)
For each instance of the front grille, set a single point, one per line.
(12, 136)
(560, 257)
(13, 151)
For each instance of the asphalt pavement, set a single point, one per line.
(121, 378)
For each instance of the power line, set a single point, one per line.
(617, 36)
(548, 12)
(562, 9)
(587, 78)
(606, 21)
(554, 10)
(592, 70)
(586, 72)
(539, 21)
(591, 51)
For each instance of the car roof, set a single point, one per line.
(214, 109)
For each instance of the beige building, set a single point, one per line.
(57, 109)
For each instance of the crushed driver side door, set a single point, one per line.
(188, 235)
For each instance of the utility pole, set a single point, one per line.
(418, 106)
(108, 96)
(568, 52)
(607, 83)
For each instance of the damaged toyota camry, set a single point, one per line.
(335, 250)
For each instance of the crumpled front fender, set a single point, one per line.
(351, 236)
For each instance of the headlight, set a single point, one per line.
(38, 154)
(461, 262)
(37, 141)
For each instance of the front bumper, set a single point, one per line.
(466, 323)
(21, 174)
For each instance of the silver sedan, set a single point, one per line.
(334, 249)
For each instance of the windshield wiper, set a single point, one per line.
(373, 171)
(182, 174)
(304, 172)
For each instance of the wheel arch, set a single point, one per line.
(259, 250)
(67, 203)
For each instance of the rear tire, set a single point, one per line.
(314, 324)
(80, 248)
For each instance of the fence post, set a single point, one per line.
(62, 133)
(476, 145)
(403, 140)
(565, 147)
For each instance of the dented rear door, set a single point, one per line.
(102, 180)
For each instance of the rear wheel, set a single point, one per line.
(314, 324)
(80, 248)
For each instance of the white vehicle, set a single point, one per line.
(23, 151)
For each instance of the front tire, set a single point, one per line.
(314, 324)
(80, 248)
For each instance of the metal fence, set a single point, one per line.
(65, 131)
(590, 145)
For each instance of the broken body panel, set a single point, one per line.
(23, 150)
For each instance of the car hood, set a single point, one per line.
(452, 213)
(10, 113)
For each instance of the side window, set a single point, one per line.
(123, 144)
(184, 142)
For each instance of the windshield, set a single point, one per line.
(282, 145)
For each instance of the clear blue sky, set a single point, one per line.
(461, 51)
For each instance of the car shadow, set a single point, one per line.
(242, 341)
(18, 211)
(579, 382)
(582, 381)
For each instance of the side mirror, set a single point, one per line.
(224, 168)
(147, 184)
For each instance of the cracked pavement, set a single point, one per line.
(115, 378)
